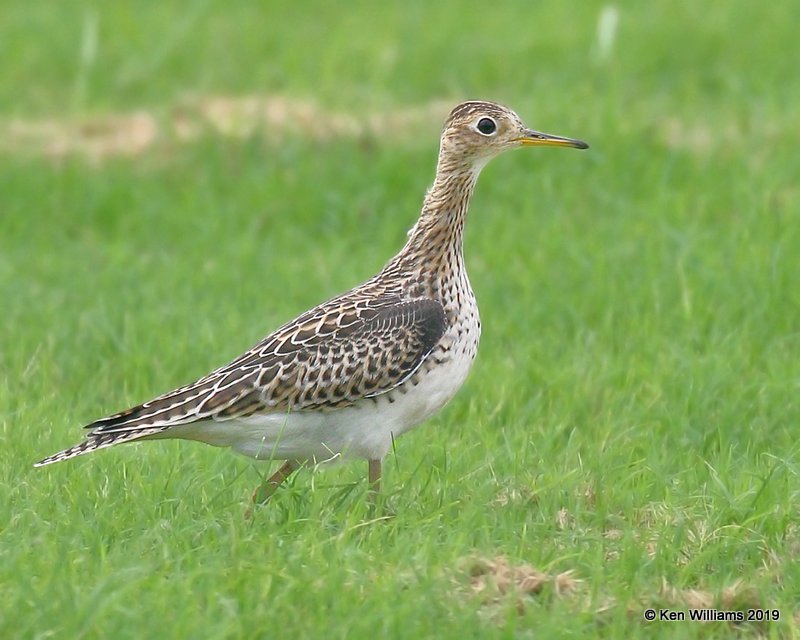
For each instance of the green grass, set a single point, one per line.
(632, 417)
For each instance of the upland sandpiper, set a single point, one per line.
(352, 374)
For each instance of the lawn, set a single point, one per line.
(178, 179)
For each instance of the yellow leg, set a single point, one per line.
(374, 478)
(264, 491)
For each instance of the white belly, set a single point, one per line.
(364, 430)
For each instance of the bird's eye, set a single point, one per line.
(487, 126)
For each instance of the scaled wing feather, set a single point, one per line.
(327, 358)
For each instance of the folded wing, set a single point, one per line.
(330, 357)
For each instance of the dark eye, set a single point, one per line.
(487, 126)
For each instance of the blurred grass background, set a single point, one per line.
(632, 416)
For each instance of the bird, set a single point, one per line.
(346, 378)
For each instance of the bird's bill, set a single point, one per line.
(532, 138)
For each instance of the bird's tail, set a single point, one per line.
(100, 441)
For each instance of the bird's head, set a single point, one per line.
(476, 131)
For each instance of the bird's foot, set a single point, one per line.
(266, 489)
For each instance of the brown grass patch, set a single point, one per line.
(736, 596)
(495, 580)
(499, 583)
(273, 118)
(515, 496)
(704, 137)
(98, 138)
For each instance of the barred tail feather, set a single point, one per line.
(99, 441)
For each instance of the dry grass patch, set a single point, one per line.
(495, 580)
(498, 583)
(737, 596)
(273, 118)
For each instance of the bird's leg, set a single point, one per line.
(374, 479)
(265, 490)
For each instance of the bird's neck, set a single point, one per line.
(437, 237)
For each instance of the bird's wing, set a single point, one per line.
(329, 357)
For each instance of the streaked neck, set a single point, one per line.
(440, 228)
